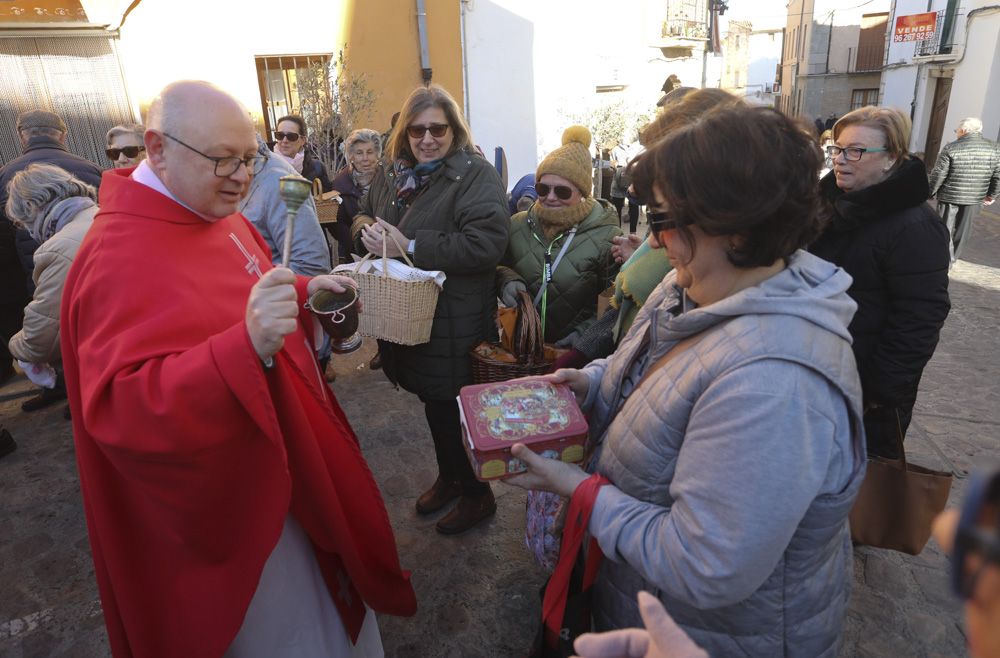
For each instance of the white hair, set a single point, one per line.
(133, 129)
(362, 135)
(971, 125)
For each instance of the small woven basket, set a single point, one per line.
(327, 204)
(395, 310)
(492, 362)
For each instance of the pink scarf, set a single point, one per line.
(296, 161)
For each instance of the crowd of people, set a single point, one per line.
(764, 337)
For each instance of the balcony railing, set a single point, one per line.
(938, 44)
(684, 28)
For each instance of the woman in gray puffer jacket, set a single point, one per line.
(728, 420)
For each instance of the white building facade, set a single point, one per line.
(533, 67)
(942, 80)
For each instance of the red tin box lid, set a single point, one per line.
(502, 413)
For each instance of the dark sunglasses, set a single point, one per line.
(129, 151)
(435, 129)
(663, 221)
(292, 137)
(562, 192)
(973, 538)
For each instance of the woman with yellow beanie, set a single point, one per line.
(560, 248)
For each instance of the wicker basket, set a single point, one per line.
(327, 203)
(395, 310)
(492, 362)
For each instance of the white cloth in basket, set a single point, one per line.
(397, 270)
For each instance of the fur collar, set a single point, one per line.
(906, 187)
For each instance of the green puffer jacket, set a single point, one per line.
(460, 224)
(586, 269)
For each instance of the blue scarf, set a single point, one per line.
(58, 215)
(411, 180)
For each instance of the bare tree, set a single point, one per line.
(334, 101)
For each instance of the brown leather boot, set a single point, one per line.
(439, 495)
(469, 512)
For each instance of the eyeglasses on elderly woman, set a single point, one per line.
(852, 153)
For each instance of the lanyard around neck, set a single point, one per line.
(548, 269)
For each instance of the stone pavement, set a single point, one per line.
(478, 592)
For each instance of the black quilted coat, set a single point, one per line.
(461, 224)
(896, 248)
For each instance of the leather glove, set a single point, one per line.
(508, 295)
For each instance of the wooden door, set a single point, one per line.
(942, 92)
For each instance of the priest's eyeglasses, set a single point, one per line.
(851, 153)
(228, 165)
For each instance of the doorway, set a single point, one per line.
(935, 129)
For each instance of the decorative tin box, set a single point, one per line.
(541, 415)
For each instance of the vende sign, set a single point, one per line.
(915, 27)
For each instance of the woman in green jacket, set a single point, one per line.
(445, 205)
(560, 248)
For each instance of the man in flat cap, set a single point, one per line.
(43, 139)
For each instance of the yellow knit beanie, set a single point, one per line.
(571, 160)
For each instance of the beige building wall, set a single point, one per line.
(217, 40)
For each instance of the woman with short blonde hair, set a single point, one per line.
(881, 230)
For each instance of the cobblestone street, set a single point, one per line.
(478, 593)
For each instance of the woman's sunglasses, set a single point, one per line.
(663, 221)
(562, 192)
(974, 536)
(129, 151)
(292, 137)
(435, 129)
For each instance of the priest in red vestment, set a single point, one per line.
(230, 510)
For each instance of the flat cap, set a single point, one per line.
(40, 119)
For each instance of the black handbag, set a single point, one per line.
(576, 617)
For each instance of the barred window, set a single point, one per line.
(862, 97)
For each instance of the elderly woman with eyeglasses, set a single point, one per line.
(57, 209)
(290, 144)
(435, 198)
(882, 231)
(560, 248)
(726, 426)
(363, 148)
(125, 145)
